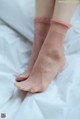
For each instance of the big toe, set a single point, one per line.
(22, 77)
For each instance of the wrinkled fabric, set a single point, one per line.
(62, 98)
(19, 14)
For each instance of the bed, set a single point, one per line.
(62, 98)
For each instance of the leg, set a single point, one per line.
(65, 9)
(45, 8)
(51, 58)
(44, 12)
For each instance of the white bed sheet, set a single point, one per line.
(19, 14)
(62, 99)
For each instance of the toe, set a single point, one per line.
(22, 77)
(23, 86)
(38, 89)
(27, 88)
(18, 85)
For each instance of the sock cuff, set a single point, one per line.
(60, 22)
(43, 20)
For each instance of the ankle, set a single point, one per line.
(59, 57)
(60, 26)
(42, 26)
(57, 53)
(42, 23)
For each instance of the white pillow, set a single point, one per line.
(19, 14)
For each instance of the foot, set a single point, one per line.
(43, 72)
(41, 29)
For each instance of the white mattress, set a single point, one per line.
(62, 99)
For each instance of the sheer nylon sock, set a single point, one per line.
(50, 60)
(42, 25)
